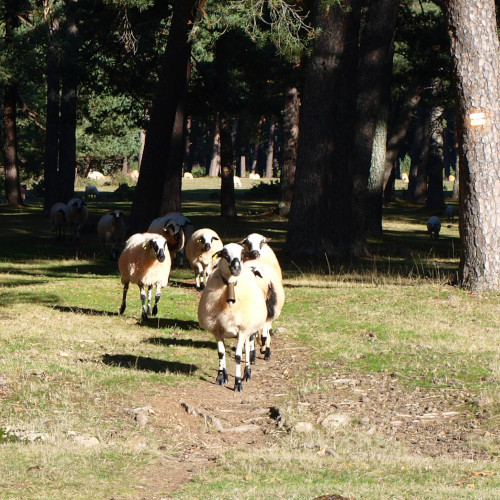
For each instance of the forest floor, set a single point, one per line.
(206, 420)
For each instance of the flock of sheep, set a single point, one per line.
(240, 283)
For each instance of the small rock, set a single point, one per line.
(86, 441)
(303, 427)
(142, 419)
(336, 420)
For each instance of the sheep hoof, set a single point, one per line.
(122, 309)
(237, 385)
(144, 315)
(221, 377)
(252, 357)
(267, 356)
(247, 374)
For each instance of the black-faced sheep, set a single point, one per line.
(232, 306)
(256, 248)
(112, 230)
(144, 261)
(433, 227)
(449, 211)
(274, 293)
(58, 219)
(177, 229)
(76, 216)
(200, 248)
(91, 193)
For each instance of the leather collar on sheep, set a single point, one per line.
(231, 297)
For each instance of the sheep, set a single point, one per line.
(433, 227)
(451, 178)
(256, 247)
(232, 306)
(449, 211)
(188, 175)
(271, 286)
(58, 219)
(144, 262)
(252, 175)
(405, 178)
(133, 174)
(111, 229)
(76, 216)
(177, 229)
(237, 181)
(199, 252)
(94, 174)
(91, 192)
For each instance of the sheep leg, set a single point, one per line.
(248, 371)
(124, 298)
(252, 349)
(143, 302)
(266, 342)
(237, 357)
(157, 299)
(150, 288)
(222, 373)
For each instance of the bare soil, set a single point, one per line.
(206, 420)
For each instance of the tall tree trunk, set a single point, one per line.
(227, 201)
(172, 198)
(417, 186)
(12, 186)
(320, 215)
(67, 137)
(476, 58)
(51, 155)
(171, 87)
(270, 147)
(374, 80)
(290, 142)
(215, 161)
(435, 195)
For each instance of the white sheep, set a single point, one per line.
(232, 306)
(177, 229)
(58, 219)
(256, 248)
(76, 216)
(433, 227)
(91, 192)
(405, 178)
(112, 230)
(449, 211)
(144, 261)
(200, 248)
(237, 181)
(94, 174)
(188, 175)
(252, 175)
(272, 287)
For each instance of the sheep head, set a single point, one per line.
(231, 258)
(253, 244)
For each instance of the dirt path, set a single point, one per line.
(205, 420)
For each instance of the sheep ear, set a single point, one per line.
(216, 255)
(215, 238)
(256, 272)
(144, 246)
(267, 239)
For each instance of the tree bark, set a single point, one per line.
(435, 195)
(417, 186)
(227, 200)
(12, 185)
(320, 216)
(476, 66)
(374, 80)
(290, 142)
(171, 87)
(270, 147)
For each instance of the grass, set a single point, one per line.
(70, 366)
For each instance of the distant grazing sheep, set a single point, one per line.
(144, 261)
(94, 174)
(111, 230)
(200, 249)
(133, 174)
(451, 178)
(433, 227)
(58, 219)
(251, 175)
(188, 175)
(177, 229)
(91, 192)
(232, 305)
(76, 216)
(405, 178)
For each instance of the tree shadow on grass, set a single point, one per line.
(198, 344)
(84, 310)
(148, 364)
